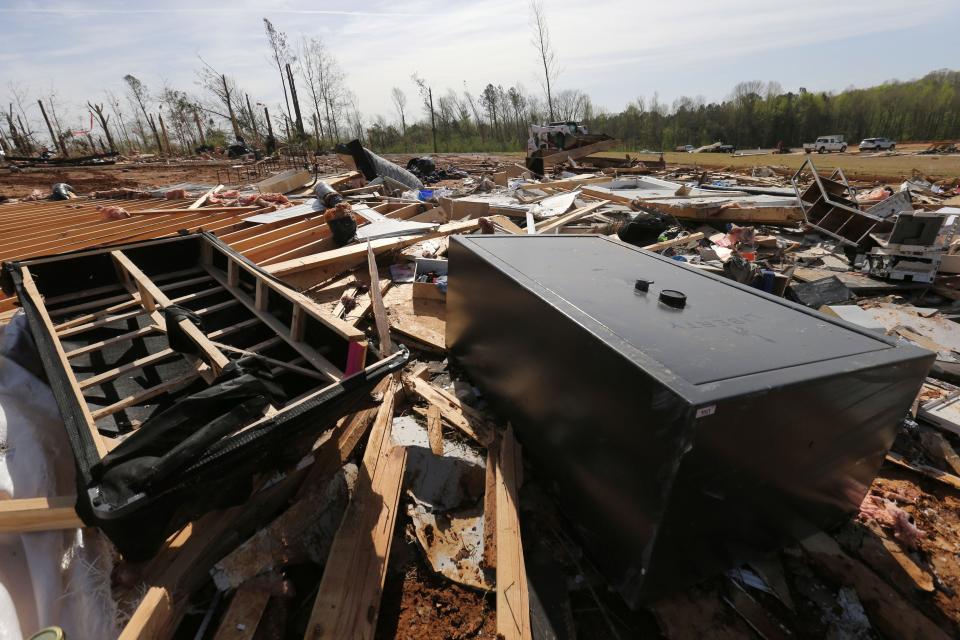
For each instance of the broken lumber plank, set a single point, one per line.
(490, 509)
(182, 565)
(348, 599)
(567, 218)
(931, 472)
(570, 183)
(435, 429)
(683, 240)
(274, 544)
(513, 598)
(23, 515)
(463, 417)
(284, 182)
(354, 254)
(423, 320)
(580, 152)
(199, 201)
(159, 212)
(244, 613)
(608, 196)
(376, 304)
(506, 224)
(939, 450)
(753, 613)
(893, 616)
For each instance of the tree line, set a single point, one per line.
(319, 109)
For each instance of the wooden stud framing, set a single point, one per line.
(30, 287)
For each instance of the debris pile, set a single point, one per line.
(403, 398)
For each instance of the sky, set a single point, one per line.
(614, 50)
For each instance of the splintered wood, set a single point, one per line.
(348, 600)
(513, 600)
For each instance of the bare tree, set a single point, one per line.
(140, 96)
(55, 140)
(541, 42)
(296, 102)
(326, 83)
(400, 103)
(104, 119)
(354, 114)
(281, 55)
(426, 93)
(115, 107)
(26, 133)
(227, 95)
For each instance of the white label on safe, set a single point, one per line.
(703, 412)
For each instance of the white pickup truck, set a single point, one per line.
(826, 144)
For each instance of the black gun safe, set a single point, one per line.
(683, 432)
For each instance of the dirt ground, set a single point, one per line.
(890, 169)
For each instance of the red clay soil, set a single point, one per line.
(420, 605)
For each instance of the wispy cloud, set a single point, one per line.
(614, 49)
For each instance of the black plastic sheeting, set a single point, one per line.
(373, 166)
(680, 442)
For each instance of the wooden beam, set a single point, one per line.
(565, 219)
(513, 598)
(30, 287)
(354, 254)
(376, 304)
(145, 394)
(931, 472)
(309, 353)
(507, 224)
(23, 515)
(683, 240)
(199, 201)
(463, 417)
(243, 615)
(151, 292)
(237, 210)
(348, 599)
(579, 152)
(892, 616)
(435, 429)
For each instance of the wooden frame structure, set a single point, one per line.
(34, 229)
(109, 339)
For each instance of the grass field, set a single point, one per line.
(887, 168)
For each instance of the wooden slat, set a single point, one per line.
(244, 613)
(145, 395)
(30, 288)
(148, 290)
(199, 201)
(435, 429)
(352, 255)
(555, 223)
(348, 600)
(23, 515)
(465, 418)
(309, 353)
(513, 599)
(133, 365)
